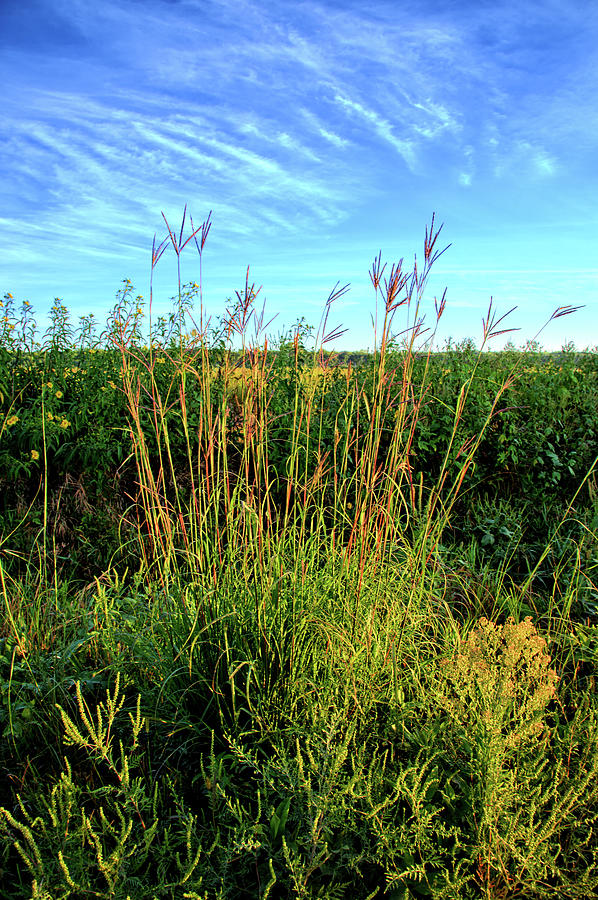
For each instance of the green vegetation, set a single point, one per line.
(276, 624)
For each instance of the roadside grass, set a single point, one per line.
(297, 688)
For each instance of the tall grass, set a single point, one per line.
(295, 695)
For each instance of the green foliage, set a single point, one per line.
(65, 416)
(280, 623)
(103, 837)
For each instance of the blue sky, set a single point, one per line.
(318, 133)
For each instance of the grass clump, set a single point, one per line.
(317, 657)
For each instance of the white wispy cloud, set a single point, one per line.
(382, 127)
(141, 157)
(544, 163)
(320, 129)
(333, 138)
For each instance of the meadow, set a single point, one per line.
(278, 622)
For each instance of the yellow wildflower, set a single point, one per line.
(58, 394)
(65, 423)
(34, 454)
(50, 417)
(12, 420)
(49, 384)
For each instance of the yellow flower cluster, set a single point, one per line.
(64, 423)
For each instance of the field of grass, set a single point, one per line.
(277, 623)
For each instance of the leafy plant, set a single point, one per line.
(103, 839)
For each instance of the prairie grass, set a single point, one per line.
(298, 689)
